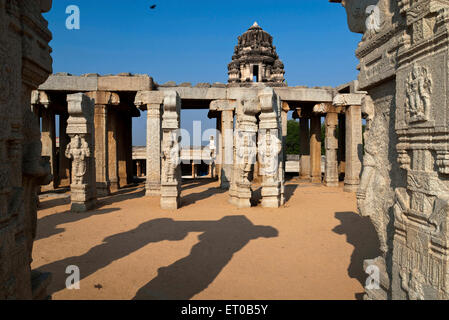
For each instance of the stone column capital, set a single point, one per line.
(104, 97)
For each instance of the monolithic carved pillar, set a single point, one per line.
(103, 102)
(101, 150)
(331, 171)
(193, 170)
(171, 152)
(245, 153)
(354, 148)
(315, 149)
(129, 149)
(341, 144)
(304, 147)
(64, 140)
(284, 118)
(219, 148)
(139, 169)
(270, 149)
(112, 150)
(48, 139)
(227, 127)
(81, 150)
(122, 147)
(153, 183)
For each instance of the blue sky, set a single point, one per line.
(193, 41)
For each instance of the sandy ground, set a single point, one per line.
(313, 248)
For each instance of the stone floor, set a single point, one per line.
(130, 249)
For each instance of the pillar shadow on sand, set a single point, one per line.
(361, 234)
(50, 225)
(219, 241)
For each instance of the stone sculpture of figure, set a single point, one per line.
(245, 155)
(269, 150)
(372, 182)
(413, 284)
(170, 155)
(419, 89)
(78, 151)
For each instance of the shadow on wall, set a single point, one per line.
(186, 277)
(360, 233)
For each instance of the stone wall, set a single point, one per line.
(404, 186)
(25, 63)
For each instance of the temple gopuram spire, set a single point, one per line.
(255, 60)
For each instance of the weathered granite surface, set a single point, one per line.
(25, 63)
(404, 188)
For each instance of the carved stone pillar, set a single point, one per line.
(153, 183)
(304, 148)
(341, 145)
(227, 126)
(112, 150)
(193, 170)
(245, 153)
(139, 169)
(315, 149)
(219, 147)
(48, 138)
(122, 148)
(284, 128)
(103, 101)
(171, 152)
(331, 171)
(270, 149)
(64, 163)
(81, 150)
(129, 149)
(354, 148)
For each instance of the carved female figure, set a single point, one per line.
(170, 155)
(78, 151)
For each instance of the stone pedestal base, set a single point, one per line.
(332, 184)
(81, 200)
(114, 186)
(304, 168)
(232, 196)
(170, 199)
(243, 196)
(271, 197)
(350, 187)
(152, 190)
(103, 189)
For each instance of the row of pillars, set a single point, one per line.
(343, 147)
(113, 144)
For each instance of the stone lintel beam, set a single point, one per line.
(348, 99)
(324, 108)
(104, 97)
(223, 105)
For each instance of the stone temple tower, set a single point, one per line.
(255, 60)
